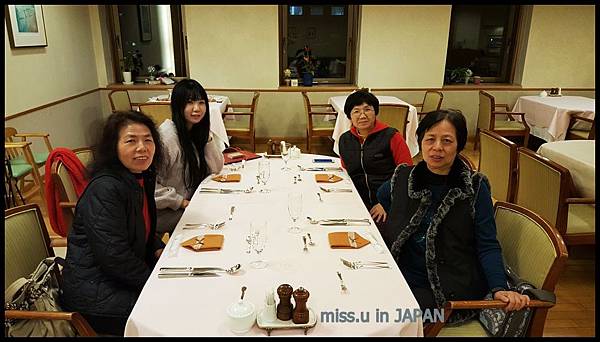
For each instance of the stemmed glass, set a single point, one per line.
(258, 240)
(295, 210)
(285, 155)
(264, 172)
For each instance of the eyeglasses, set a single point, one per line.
(368, 111)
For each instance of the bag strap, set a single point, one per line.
(13, 289)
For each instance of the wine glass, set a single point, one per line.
(258, 240)
(295, 210)
(285, 155)
(264, 172)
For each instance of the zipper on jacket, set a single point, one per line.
(364, 171)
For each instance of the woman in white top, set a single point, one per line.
(190, 153)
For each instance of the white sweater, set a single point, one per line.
(170, 186)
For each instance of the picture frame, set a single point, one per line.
(25, 26)
(145, 20)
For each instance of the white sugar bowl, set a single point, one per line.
(241, 315)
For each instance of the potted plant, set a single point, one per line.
(306, 64)
(287, 74)
(132, 65)
(459, 75)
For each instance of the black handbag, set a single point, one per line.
(514, 323)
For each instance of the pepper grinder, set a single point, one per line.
(284, 308)
(300, 315)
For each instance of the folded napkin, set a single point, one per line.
(347, 240)
(232, 177)
(327, 178)
(206, 242)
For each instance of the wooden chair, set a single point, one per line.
(395, 115)
(534, 250)
(498, 161)
(20, 170)
(467, 161)
(581, 133)
(245, 130)
(26, 244)
(506, 128)
(119, 100)
(431, 101)
(11, 135)
(317, 127)
(546, 188)
(159, 112)
(62, 184)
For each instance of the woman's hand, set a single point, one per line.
(184, 204)
(515, 300)
(378, 213)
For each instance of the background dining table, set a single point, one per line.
(197, 306)
(343, 124)
(217, 106)
(549, 116)
(579, 157)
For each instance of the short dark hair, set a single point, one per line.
(359, 97)
(195, 169)
(454, 116)
(106, 155)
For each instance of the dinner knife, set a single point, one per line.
(187, 274)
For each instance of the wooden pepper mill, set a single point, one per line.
(300, 315)
(284, 308)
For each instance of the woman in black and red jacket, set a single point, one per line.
(112, 246)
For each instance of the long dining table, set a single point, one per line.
(196, 306)
(343, 124)
(217, 106)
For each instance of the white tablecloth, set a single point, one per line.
(217, 127)
(549, 116)
(343, 124)
(578, 156)
(197, 306)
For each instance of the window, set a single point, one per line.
(328, 32)
(482, 39)
(148, 35)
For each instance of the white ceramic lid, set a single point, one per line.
(240, 309)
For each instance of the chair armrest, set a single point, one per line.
(237, 113)
(322, 113)
(580, 200)
(80, 324)
(577, 117)
(17, 144)
(58, 242)
(238, 106)
(503, 105)
(510, 115)
(36, 135)
(321, 105)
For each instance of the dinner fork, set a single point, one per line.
(204, 225)
(335, 189)
(343, 286)
(366, 264)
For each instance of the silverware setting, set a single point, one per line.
(217, 225)
(231, 210)
(320, 168)
(338, 221)
(352, 239)
(343, 286)
(305, 246)
(310, 241)
(226, 191)
(335, 189)
(319, 195)
(178, 272)
(364, 264)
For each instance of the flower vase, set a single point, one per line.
(126, 76)
(307, 79)
(466, 79)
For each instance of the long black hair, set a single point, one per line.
(196, 168)
(106, 155)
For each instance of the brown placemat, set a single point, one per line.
(342, 240)
(327, 178)
(211, 242)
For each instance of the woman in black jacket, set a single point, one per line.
(112, 246)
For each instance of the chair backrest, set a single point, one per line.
(395, 115)
(486, 107)
(498, 161)
(119, 100)
(533, 249)
(26, 241)
(432, 101)
(86, 156)
(307, 110)
(159, 112)
(9, 136)
(467, 161)
(542, 186)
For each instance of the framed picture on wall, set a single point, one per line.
(25, 24)
(145, 22)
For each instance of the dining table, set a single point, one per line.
(343, 124)
(217, 106)
(549, 116)
(343, 301)
(578, 156)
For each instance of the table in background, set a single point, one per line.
(217, 106)
(578, 156)
(549, 117)
(196, 306)
(343, 124)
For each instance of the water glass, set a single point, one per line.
(258, 241)
(264, 173)
(285, 155)
(295, 210)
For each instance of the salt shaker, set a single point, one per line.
(269, 313)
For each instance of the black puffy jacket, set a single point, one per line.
(108, 260)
